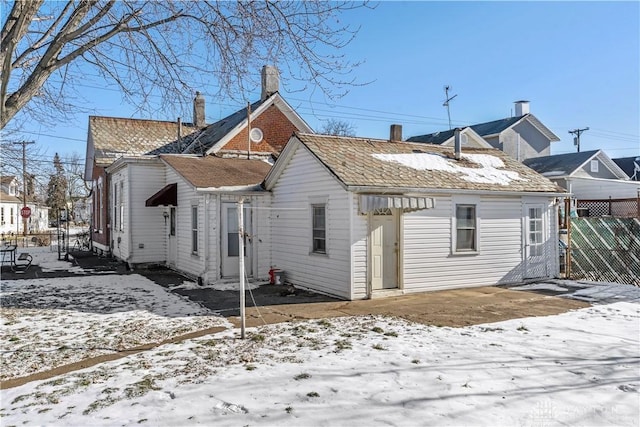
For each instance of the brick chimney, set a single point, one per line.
(522, 108)
(198, 111)
(395, 133)
(270, 81)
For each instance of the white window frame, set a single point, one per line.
(11, 216)
(595, 166)
(121, 208)
(314, 249)
(194, 229)
(470, 202)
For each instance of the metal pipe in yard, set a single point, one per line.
(568, 256)
(240, 209)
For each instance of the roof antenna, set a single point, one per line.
(447, 88)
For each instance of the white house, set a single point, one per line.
(11, 203)
(589, 175)
(359, 218)
(522, 136)
(180, 211)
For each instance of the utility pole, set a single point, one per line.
(446, 102)
(24, 180)
(576, 138)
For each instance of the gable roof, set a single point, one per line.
(212, 138)
(6, 179)
(447, 137)
(489, 129)
(8, 198)
(217, 172)
(114, 137)
(565, 165)
(360, 164)
(630, 166)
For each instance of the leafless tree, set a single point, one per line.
(77, 188)
(165, 48)
(338, 128)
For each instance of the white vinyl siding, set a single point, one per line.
(302, 183)
(428, 264)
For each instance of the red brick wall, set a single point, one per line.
(275, 126)
(102, 236)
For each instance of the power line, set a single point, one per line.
(577, 133)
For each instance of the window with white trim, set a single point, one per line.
(121, 208)
(595, 165)
(466, 231)
(319, 229)
(194, 229)
(11, 216)
(115, 207)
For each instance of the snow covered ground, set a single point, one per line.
(576, 368)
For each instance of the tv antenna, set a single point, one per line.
(447, 88)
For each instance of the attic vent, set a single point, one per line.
(256, 135)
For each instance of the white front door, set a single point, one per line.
(534, 242)
(231, 245)
(172, 243)
(384, 249)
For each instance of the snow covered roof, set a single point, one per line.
(360, 162)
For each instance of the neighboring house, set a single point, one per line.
(11, 203)
(359, 218)
(589, 175)
(630, 166)
(522, 136)
(180, 211)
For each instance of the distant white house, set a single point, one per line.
(522, 136)
(360, 218)
(587, 175)
(11, 203)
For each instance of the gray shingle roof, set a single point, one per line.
(482, 129)
(201, 141)
(363, 162)
(114, 137)
(628, 165)
(559, 164)
(486, 129)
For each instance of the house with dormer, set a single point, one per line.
(522, 136)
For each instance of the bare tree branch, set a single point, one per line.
(166, 48)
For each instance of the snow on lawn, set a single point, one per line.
(57, 321)
(576, 368)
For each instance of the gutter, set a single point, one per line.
(429, 191)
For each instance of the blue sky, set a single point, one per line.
(578, 63)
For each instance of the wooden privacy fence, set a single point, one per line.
(605, 249)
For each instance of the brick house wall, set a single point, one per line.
(276, 129)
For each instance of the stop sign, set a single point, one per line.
(25, 212)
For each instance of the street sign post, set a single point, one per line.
(25, 212)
